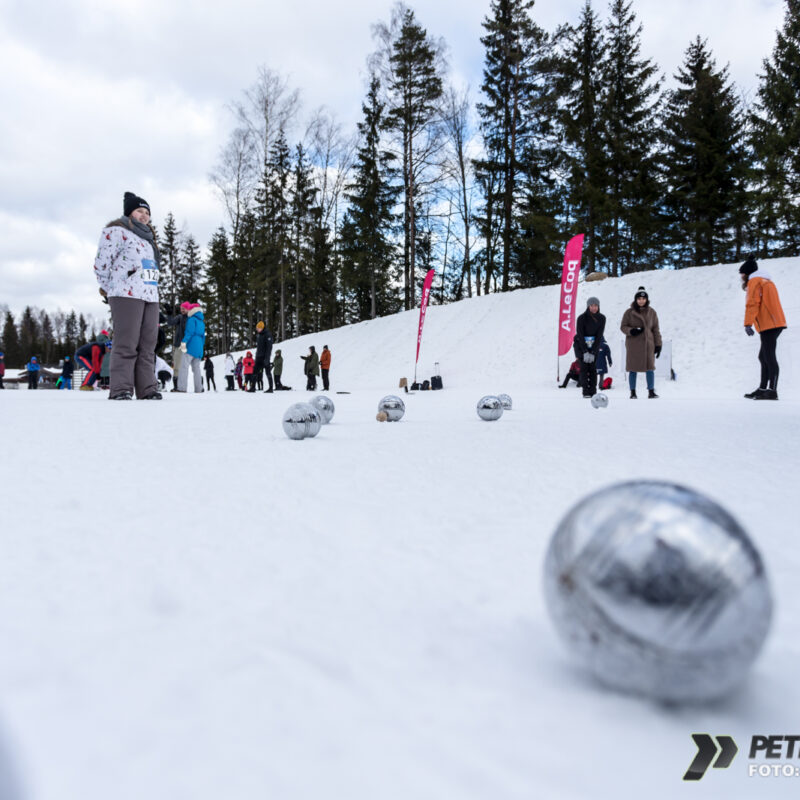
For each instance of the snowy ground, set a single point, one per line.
(194, 607)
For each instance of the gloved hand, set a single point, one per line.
(658, 350)
(748, 329)
(183, 347)
(636, 331)
(588, 358)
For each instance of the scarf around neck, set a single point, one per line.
(143, 232)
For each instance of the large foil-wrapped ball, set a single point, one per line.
(301, 420)
(393, 407)
(490, 408)
(658, 591)
(505, 401)
(325, 407)
(600, 400)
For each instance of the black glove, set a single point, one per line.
(636, 331)
(658, 350)
(748, 329)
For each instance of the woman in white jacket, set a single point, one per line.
(127, 269)
(230, 369)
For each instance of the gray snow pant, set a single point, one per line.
(188, 361)
(133, 356)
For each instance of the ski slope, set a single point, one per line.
(192, 606)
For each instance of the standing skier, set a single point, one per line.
(642, 341)
(263, 355)
(127, 269)
(764, 311)
(194, 339)
(588, 338)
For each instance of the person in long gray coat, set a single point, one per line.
(642, 341)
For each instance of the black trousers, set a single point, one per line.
(574, 376)
(268, 370)
(230, 388)
(768, 358)
(589, 378)
(325, 384)
(33, 380)
(311, 383)
(278, 384)
(209, 381)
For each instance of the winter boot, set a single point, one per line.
(633, 394)
(651, 394)
(121, 396)
(755, 394)
(767, 394)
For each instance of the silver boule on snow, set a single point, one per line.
(325, 407)
(301, 420)
(658, 591)
(393, 407)
(600, 400)
(505, 401)
(490, 408)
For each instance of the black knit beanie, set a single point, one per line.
(131, 202)
(640, 292)
(749, 266)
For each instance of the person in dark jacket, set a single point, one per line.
(311, 368)
(66, 373)
(277, 369)
(263, 356)
(2, 370)
(91, 357)
(574, 374)
(208, 366)
(588, 338)
(178, 321)
(603, 362)
(33, 368)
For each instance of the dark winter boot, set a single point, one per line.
(633, 394)
(755, 394)
(767, 394)
(651, 394)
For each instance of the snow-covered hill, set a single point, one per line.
(512, 338)
(194, 607)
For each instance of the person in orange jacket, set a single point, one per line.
(248, 368)
(763, 310)
(325, 365)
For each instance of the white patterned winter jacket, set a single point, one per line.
(125, 265)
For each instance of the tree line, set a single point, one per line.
(49, 336)
(571, 131)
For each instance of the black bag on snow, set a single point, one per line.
(425, 386)
(436, 382)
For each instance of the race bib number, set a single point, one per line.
(149, 272)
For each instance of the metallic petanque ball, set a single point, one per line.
(325, 407)
(658, 591)
(393, 407)
(505, 401)
(490, 408)
(301, 420)
(600, 400)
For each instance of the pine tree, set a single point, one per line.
(48, 339)
(82, 328)
(414, 86)
(71, 333)
(368, 255)
(775, 139)
(513, 88)
(169, 245)
(10, 343)
(303, 199)
(704, 160)
(29, 335)
(218, 293)
(582, 125)
(191, 270)
(630, 130)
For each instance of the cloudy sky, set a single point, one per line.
(100, 96)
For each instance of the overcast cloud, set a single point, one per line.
(101, 97)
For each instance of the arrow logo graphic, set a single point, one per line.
(707, 748)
